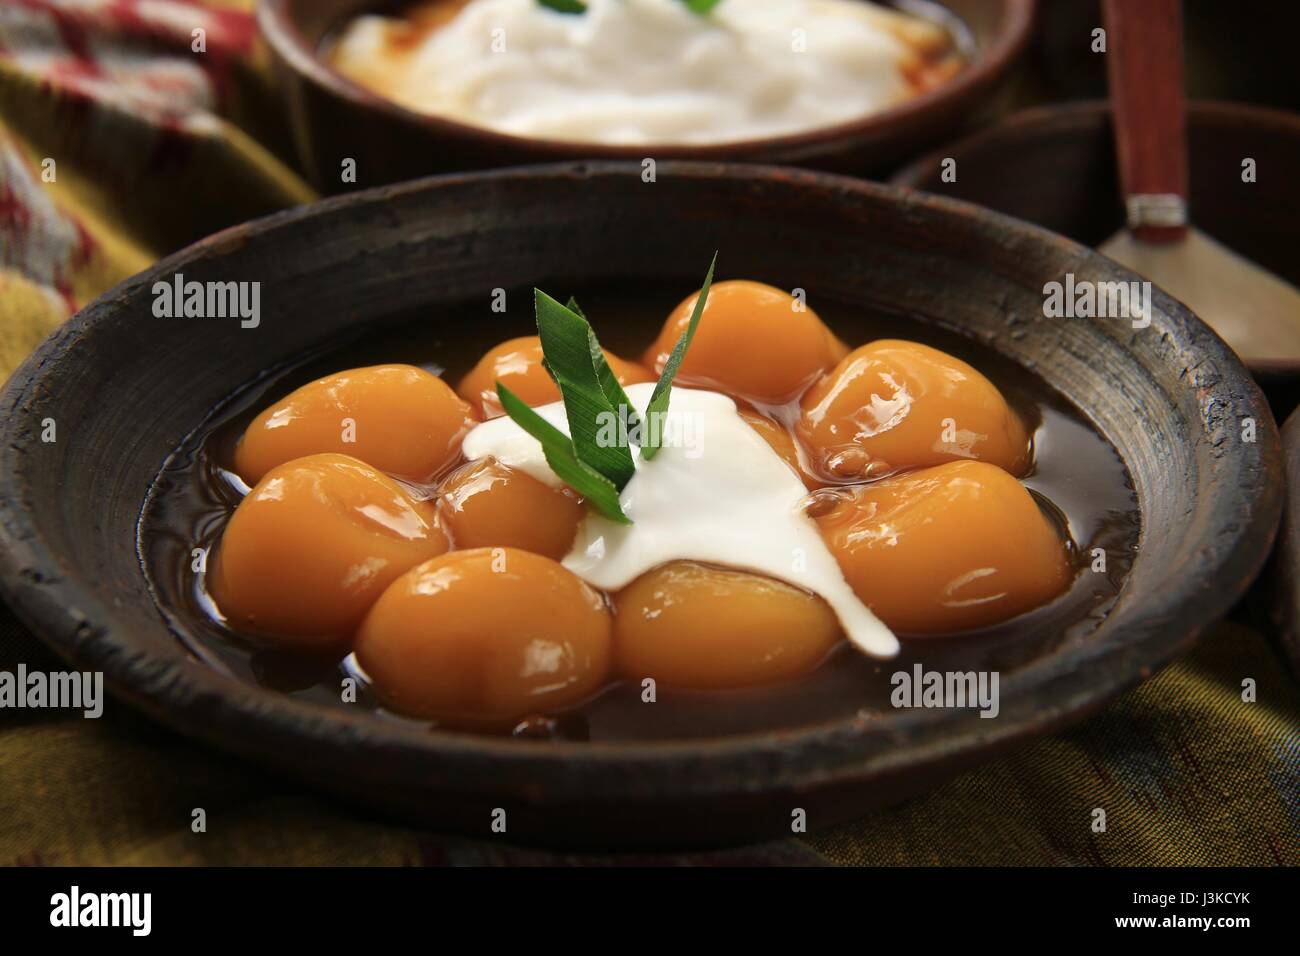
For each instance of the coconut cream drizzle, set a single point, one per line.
(645, 71)
(716, 492)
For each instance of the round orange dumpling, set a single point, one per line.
(517, 364)
(780, 440)
(491, 634)
(948, 548)
(892, 405)
(753, 341)
(397, 418)
(312, 546)
(698, 626)
(488, 504)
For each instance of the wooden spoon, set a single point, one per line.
(1257, 313)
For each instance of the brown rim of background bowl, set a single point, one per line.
(962, 94)
(64, 507)
(1284, 576)
(1085, 126)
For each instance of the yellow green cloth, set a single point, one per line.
(1186, 772)
(154, 146)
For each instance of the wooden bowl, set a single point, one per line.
(124, 388)
(333, 118)
(1055, 166)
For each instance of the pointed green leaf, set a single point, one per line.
(652, 439)
(609, 384)
(701, 8)
(608, 380)
(564, 6)
(593, 419)
(560, 455)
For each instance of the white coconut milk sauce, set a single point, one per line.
(716, 492)
(647, 71)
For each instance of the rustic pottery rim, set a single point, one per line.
(1082, 116)
(209, 706)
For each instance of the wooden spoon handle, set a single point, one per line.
(1144, 62)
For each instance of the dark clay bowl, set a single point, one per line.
(1284, 579)
(1055, 166)
(333, 118)
(125, 388)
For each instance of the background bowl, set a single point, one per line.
(125, 388)
(333, 118)
(1055, 166)
(1284, 576)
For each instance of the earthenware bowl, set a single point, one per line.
(1055, 166)
(333, 118)
(125, 387)
(1284, 576)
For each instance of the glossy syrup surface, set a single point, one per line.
(1077, 476)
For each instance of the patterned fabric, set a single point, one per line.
(155, 145)
(120, 143)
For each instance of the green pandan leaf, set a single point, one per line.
(608, 380)
(560, 455)
(652, 439)
(593, 417)
(564, 6)
(595, 458)
(701, 8)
